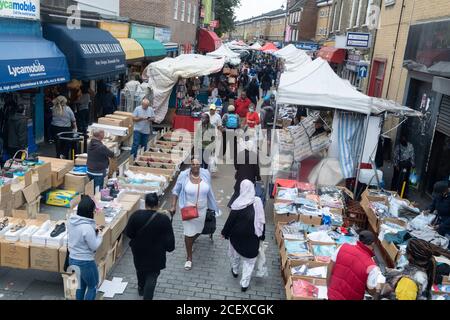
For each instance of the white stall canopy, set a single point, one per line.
(224, 52)
(316, 84)
(164, 74)
(293, 58)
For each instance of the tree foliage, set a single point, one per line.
(224, 12)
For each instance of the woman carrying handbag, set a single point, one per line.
(194, 194)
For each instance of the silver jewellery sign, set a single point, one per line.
(29, 9)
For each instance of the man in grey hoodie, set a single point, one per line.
(84, 240)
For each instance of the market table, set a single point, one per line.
(184, 122)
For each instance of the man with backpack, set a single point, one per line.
(230, 122)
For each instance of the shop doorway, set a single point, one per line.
(439, 161)
(377, 78)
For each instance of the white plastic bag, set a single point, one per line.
(261, 268)
(212, 166)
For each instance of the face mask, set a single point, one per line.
(251, 110)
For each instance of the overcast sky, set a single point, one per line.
(253, 8)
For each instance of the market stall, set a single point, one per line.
(226, 53)
(164, 75)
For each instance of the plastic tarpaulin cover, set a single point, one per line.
(164, 74)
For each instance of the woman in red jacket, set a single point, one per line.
(252, 117)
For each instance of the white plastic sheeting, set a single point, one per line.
(224, 52)
(164, 74)
(316, 84)
(256, 46)
(293, 58)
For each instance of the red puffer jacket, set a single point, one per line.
(350, 272)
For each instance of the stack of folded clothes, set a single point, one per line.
(289, 194)
(284, 208)
(304, 270)
(298, 250)
(292, 232)
(305, 289)
(323, 253)
(327, 200)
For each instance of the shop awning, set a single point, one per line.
(30, 62)
(152, 48)
(91, 53)
(208, 41)
(133, 50)
(331, 54)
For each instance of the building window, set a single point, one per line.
(353, 14)
(369, 3)
(340, 15)
(360, 9)
(175, 9)
(189, 13)
(334, 23)
(194, 14)
(183, 9)
(324, 13)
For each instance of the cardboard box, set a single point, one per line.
(119, 247)
(56, 182)
(109, 261)
(126, 121)
(81, 161)
(75, 183)
(284, 217)
(111, 122)
(101, 272)
(371, 215)
(32, 208)
(18, 199)
(5, 189)
(59, 168)
(118, 225)
(45, 184)
(311, 220)
(310, 264)
(31, 192)
(62, 252)
(43, 258)
(290, 280)
(15, 254)
(44, 171)
(284, 256)
(105, 246)
(391, 250)
(89, 188)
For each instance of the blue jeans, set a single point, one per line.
(139, 140)
(98, 181)
(88, 279)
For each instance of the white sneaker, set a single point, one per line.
(188, 265)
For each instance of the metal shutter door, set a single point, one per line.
(443, 124)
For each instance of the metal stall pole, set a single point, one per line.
(366, 127)
(272, 138)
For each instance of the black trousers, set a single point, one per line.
(147, 282)
(83, 120)
(62, 148)
(401, 175)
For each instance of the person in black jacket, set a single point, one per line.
(247, 168)
(253, 91)
(441, 206)
(98, 159)
(17, 131)
(150, 240)
(245, 227)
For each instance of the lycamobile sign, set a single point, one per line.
(20, 9)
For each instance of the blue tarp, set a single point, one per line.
(30, 62)
(91, 53)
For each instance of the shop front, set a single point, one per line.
(427, 58)
(208, 41)
(353, 68)
(164, 36)
(94, 57)
(28, 63)
(145, 35)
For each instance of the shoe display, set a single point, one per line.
(4, 223)
(18, 226)
(59, 228)
(188, 265)
(235, 275)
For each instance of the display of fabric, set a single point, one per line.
(304, 289)
(421, 222)
(323, 253)
(304, 270)
(397, 238)
(327, 200)
(287, 194)
(284, 208)
(297, 249)
(431, 236)
(320, 236)
(351, 133)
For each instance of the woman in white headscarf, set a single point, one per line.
(245, 228)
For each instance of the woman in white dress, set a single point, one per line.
(193, 188)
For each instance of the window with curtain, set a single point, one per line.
(194, 14)
(189, 13)
(183, 9)
(175, 9)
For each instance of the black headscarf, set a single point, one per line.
(86, 207)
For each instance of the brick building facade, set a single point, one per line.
(180, 15)
(268, 26)
(323, 19)
(302, 20)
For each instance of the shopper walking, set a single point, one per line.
(98, 156)
(404, 161)
(203, 140)
(245, 228)
(84, 240)
(252, 118)
(143, 117)
(193, 188)
(82, 104)
(353, 269)
(266, 81)
(231, 122)
(415, 280)
(63, 120)
(17, 128)
(253, 91)
(151, 235)
(242, 104)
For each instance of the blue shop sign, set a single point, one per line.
(29, 62)
(307, 46)
(91, 53)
